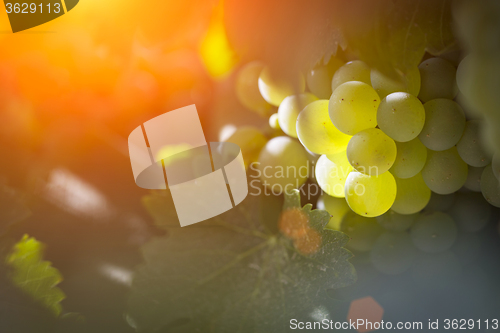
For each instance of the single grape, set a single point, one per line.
(289, 111)
(471, 212)
(440, 202)
(434, 232)
(370, 196)
(355, 70)
(385, 85)
(319, 79)
(413, 195)
(247, 88)
(437, 80)
(274, 122)
(283, 163)
(444, 124)
(410, 158)
(393, 253)
(396, 222)
(473, 181)
(336, 207)
(462, 75)
(353, 107)
(490, 187)
(401, 116)
(362, 231)
(471, 148)
(274, 87)
(317, 132)
(495, 165)
(331, 176)
(444, 172)
(371, 152)
(250, 140)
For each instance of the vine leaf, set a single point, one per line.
(34, 276)
(234, 275)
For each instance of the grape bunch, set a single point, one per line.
(379, 143)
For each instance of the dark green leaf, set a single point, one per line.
(235, 276)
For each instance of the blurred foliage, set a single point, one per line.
(241, 277)
(34, 276)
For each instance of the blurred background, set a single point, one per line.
(72, 90)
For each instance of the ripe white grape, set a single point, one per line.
(412, 196)
(473, 181)
(401, 116)
(490, 186)
(274, 122)
(353, 107)
(385, 85)
(362, 231)
(393, 253)
(250, 140)
(336, 207)
(434, 232)
(355, 70)
(444, 172)
(289, 110)
(370, 196)
(440, 202)
(444, 124)
(331, 176)
(274, 87)
(410, 158)
(371, 152)
(317, 132)
(319, 79)
(247, 88)
(396, 222)
(283, 163)
(471, 148)
(471, 212)
(437, 78)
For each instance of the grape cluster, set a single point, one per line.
(386, 143)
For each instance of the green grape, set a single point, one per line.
(473, 181)
(434, 232)
(437, 80)
(362, 231)
(250, 140)
(396, 222)
(410, 159)
(317, 132)
(247, 88)
(336, 207)
(463, 77)
(283, 163)
(444, 172)
(385, 85)
(331, 176)
(444, 124)
(495, 165)
(471, 148)
(274, 88)
(370, 196)
(440, 202)
(393, 253)
(319, 79)
(274, 121)
(371, 152)
(413, 195)
(289, 111)
(401, 116)
(490, 187)
(353, 107)
(355, 70)
(471, 212)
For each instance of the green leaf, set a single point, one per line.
(233, 274)
(34, 276)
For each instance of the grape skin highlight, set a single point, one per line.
(274, 88)
(289, 110)
(331, 176)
